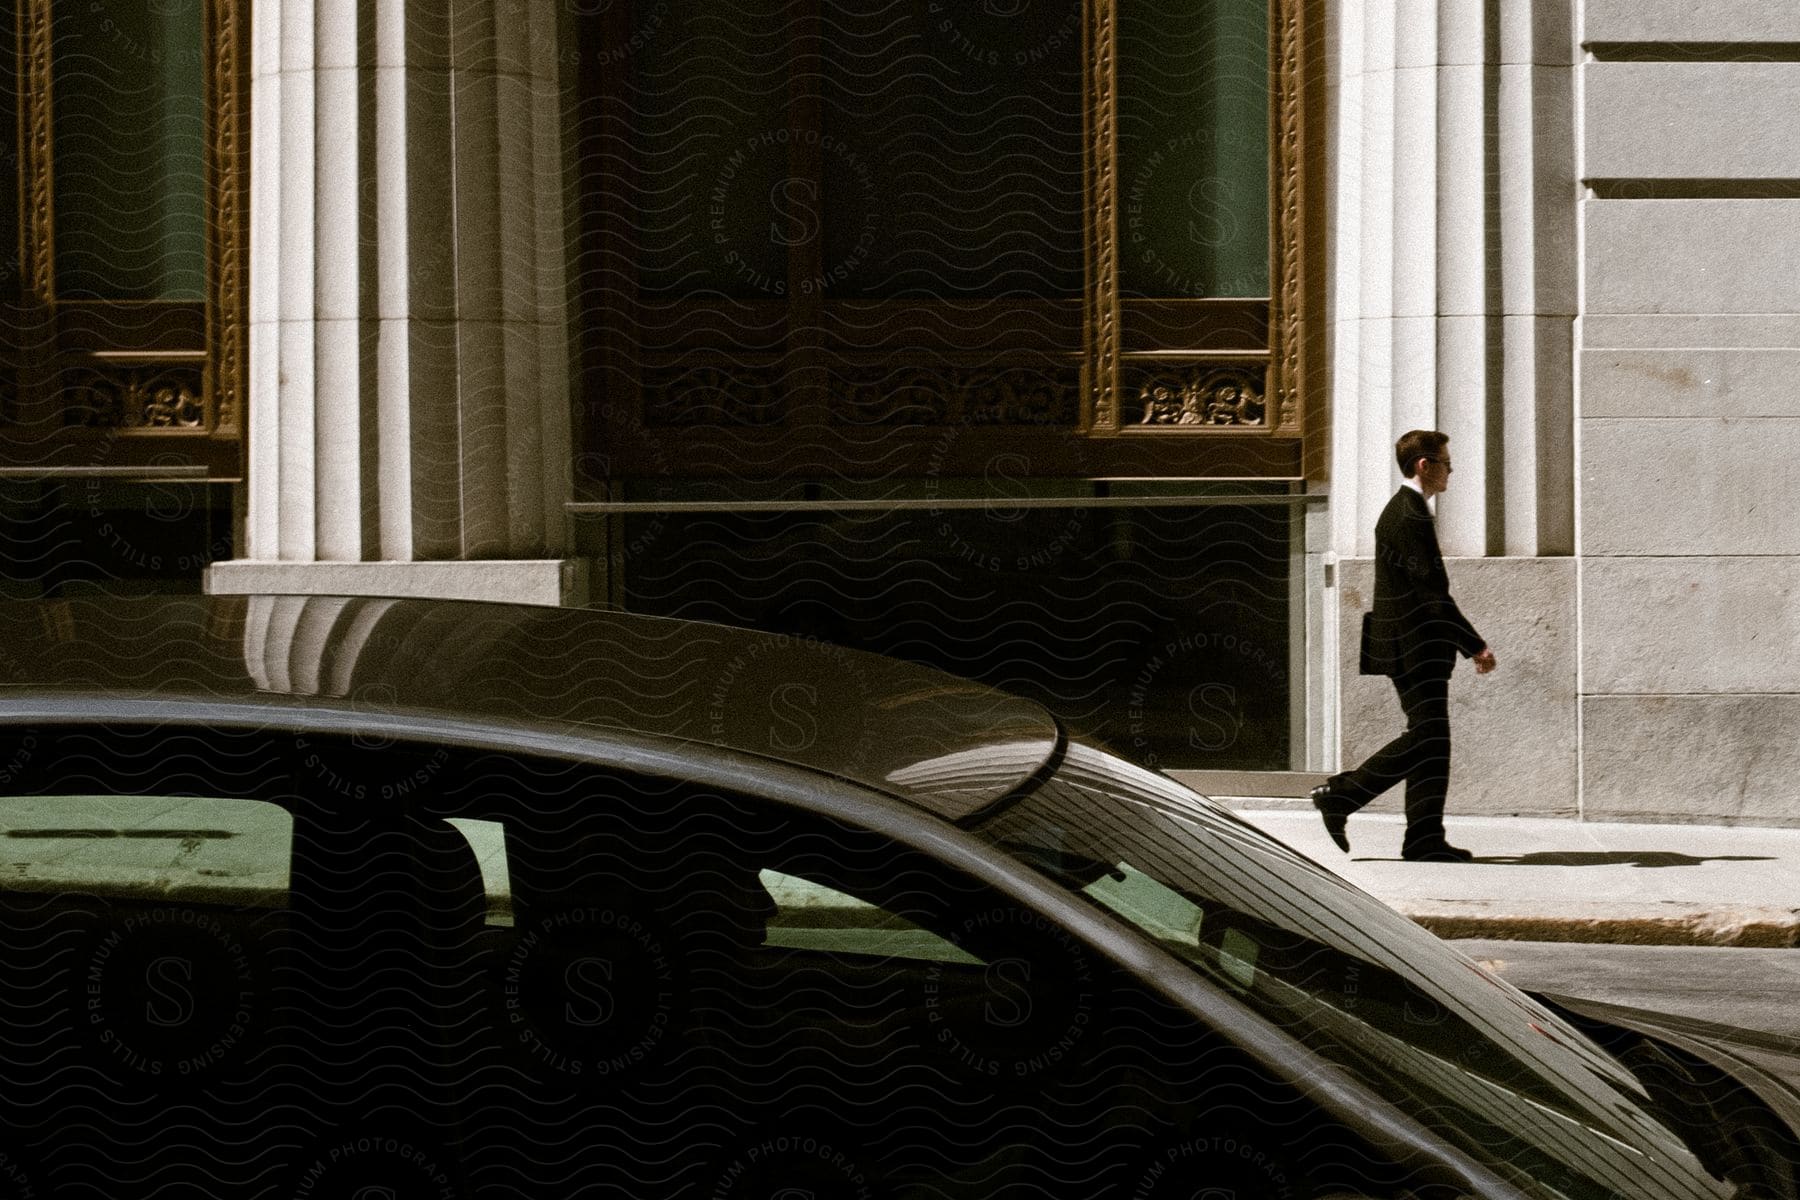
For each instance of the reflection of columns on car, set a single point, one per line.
(1454, 157)
(409, 411)
(287, 640)
(363, 648)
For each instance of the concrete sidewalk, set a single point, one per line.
(1532, 878)
(1568, 881)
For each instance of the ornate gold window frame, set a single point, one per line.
(1190, 390)
(117, 393)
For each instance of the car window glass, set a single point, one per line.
(814, 916)
(1162, 912)
(142, 932)
(678, 891)
(1350, 978)
(488, 840)
(194, 849)
(731, 994)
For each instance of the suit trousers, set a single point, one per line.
(1419, 756)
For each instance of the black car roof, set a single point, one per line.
(943, 743)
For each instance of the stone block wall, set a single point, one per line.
(1513, 750)
(1622, 524)
(1688, 411)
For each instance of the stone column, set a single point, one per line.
(1410, 256)
(409, 406)
(1464, 324)
(1454, 299)
(1534, 146)
(1453, 258)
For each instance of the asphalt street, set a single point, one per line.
(1756, 989)
(1727, 985)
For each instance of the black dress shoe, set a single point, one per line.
(1443, 852)
(1334, 812)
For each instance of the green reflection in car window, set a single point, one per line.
(1157, 910)
(809, 915)
(488, 840)
(200, 849)
(1237, 956)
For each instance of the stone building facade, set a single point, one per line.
(1565, 237)
(438, 297)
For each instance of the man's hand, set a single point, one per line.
(1484, 661)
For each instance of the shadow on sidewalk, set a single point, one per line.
(1615, 858)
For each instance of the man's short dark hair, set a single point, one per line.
(1415, 444)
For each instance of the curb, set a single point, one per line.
(1577, 882)
(1627, 925)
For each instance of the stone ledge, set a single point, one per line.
(551, 582)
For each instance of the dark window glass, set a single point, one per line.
(130, 122)
(244, 947)
(793, 1001)
(955, 163)
(1160, 631)
(710, 136)
(63, 539)
(1194, 148)
(927, 151)
(788, 999)
(142, 941)
(716, 994)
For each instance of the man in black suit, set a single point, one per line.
(1413, 636)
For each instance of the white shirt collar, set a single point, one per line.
(1418, 487)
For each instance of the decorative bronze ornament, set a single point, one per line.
(1285, 316)
(1203, 395)
(39, 265)
(168, 397)
(1102, 332)
(228, 172)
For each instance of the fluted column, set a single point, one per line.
(1465, 328)
(1535, 159)
(1453, 259)
(1454, 176)
(409, 407)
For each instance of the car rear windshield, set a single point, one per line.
(1467, 1054)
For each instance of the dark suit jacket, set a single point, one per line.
(1415, 626)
